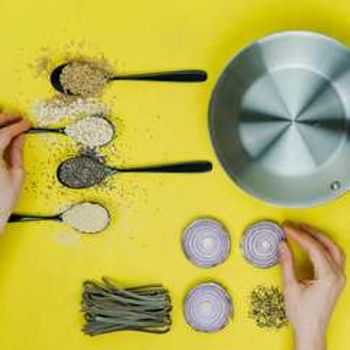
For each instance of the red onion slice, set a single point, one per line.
(260, 243)
(206, 242)
(208, 307)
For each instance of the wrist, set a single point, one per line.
(311, 340)
(3, 220)
(2, 225)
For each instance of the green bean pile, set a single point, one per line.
(109, 308)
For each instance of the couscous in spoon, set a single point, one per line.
(180, 76)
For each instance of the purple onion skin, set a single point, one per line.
(208, 291)
(253, 232)
(193, 242)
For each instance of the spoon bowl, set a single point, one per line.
(55, 79)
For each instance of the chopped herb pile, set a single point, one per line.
(267, 307)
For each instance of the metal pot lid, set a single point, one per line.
(279, 118)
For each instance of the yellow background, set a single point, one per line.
(42, 266)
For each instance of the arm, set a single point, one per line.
(11, 164)
(310, 303)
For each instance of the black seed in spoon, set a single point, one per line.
(81, 172)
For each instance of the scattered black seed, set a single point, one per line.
(81, 172)
(267, 307)
(110, 308)
(93, 153)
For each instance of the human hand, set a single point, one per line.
(11, 163)
(310, 303)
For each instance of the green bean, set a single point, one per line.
(109, 308)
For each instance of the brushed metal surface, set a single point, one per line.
(279, 118)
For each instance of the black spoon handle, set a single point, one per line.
(187, 76)
(187, 167)
(23, 218)
(45, 130)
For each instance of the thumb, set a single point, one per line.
(287, 265)
(16, 155)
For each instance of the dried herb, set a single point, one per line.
(267, 307)
(109, 308)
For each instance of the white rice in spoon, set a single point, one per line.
(87, 217)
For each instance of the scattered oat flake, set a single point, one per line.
(55, 110)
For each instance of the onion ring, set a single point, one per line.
(206, 242)
(208, 307)
(260, 243)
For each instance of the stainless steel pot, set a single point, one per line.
(279, 119)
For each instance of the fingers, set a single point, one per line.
(6, 119)
(332, 248)
(10, 127)
(16, 160)
(287, 264)
(16, 152)
(319, 258)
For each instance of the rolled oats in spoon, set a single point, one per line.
(91, 131)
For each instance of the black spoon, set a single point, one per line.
(85, 171)
(79, 124)
(184, 76)
(25, 218)
(62, 217)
